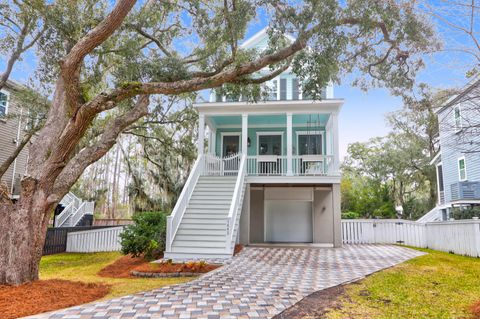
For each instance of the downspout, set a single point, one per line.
(16, 144)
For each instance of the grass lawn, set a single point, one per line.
(437, 285)
(84, 267)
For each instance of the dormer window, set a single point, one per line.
(3, 103)
(272, 95)
(458, 118)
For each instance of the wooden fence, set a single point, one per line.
(96, 240)
(460, 237)
(56, 238)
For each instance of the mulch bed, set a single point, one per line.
(238, 249)
(475, 310)
(122, 267)
(46, 295)
(315, 305)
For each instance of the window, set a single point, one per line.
(462, 169)
(272, 95)
(458, 118)
(310, 144)
(283, 89)
(270, 145)
(295, 89)
(3, 103)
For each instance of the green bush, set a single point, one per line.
(350, 215)
(146, 236)
(465, 212)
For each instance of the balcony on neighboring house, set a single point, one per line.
(465, 191)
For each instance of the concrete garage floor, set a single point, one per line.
(260, 282)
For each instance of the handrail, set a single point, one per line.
(63, 216)
(173, 221)
(78, 214)
(236, 205)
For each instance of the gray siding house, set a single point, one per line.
(458, 162)
(12, 125)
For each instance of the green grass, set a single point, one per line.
(436, 285)
(84, 267)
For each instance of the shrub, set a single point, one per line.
(146, 236)
(465, 212)
(350, 215)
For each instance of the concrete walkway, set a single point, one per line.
(258, 283)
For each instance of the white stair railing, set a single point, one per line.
(64, 215)
(173, 221)
(236, 204)
(433, 215)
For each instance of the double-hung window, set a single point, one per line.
(462, 169)
(458, 118)
(3, 103)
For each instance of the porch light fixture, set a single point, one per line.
(249, 142)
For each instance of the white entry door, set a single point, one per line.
(288, 221)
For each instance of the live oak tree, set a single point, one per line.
(99, 57)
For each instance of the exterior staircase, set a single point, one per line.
(74, 211)
(207, 225)
(434, 215)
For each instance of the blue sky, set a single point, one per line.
(362, 116)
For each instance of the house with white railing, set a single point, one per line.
(458, 162)
(268, 173)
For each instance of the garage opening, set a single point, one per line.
(288, 221)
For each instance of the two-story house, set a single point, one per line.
(13, 120)
(268, 174)
(458, 162)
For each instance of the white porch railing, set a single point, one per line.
(236, 204)
(302, 165)
(95, 240)
(173, 221)
(218, 166)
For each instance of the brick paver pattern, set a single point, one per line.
(257, 283)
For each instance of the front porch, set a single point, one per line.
(287, 141)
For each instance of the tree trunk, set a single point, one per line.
(22, 233)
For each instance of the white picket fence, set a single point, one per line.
(461, 237)
(95, 240)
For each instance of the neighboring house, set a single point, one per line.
(270, 174)
(458, 162)
(12, 126)
(71, 210)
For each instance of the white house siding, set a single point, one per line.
(453, 147)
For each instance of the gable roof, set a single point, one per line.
(472, 84)
(260, 37)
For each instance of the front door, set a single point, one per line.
(231, 145)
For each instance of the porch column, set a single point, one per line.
(244, 133)
(336, 151)
(289, 144)
(201, 134)
(213, 141)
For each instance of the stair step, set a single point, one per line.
(214, 189)
(203, 221)
(218, 178)
(202, 226)
(211, 197)
(198, 251)
(206, 216)
(198, 244)
(208, 207)
(207, 211)
(210, 202)
(200, 238)
(202, 231)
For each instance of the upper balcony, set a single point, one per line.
(285, 141)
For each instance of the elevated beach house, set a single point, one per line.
(269, 173)
(458, 162)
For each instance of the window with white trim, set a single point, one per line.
(3, 103)
(458, 118)
(462, 169)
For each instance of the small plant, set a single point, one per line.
(146, 236)
(350, 215)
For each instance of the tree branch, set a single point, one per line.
(91, 154)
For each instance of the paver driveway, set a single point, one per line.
(258, 283)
